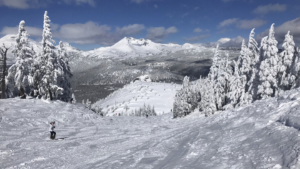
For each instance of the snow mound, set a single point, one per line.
(133, 96)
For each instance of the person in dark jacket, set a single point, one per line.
(51, 129)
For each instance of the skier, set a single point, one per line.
(51, 129)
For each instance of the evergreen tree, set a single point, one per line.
(49, 74)
(268, 73)
(219, 75)
(255, 64)
(237, 95)
(207, 104)
(63, 73)
(181, 105)
(288, 76)
(19, 76)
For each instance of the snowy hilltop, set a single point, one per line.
(263, 135)
(130, 99)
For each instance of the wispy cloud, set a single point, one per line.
(242, 24)
(280, 31)
(228, 22)
(26, 4)
(86, 33)
(157, 34)
(185, 14)
(198, 30)
(264, 9)
(32, 31)
(80, 2)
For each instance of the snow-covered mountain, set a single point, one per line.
(131, 47)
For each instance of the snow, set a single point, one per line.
(262, 135)
(224, 40)
(138, 93)
(131, 47)
(127, 47)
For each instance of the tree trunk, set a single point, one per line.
(50, 94)
(3, 52)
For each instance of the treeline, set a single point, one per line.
(258, 73)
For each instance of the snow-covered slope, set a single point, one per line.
(135, 95)
(262, 135)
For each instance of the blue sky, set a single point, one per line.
(89, 24)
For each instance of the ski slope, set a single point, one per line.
(263, 135)
(136, 95)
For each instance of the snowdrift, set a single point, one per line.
(262, 135)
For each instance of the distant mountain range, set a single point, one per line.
(125, 48)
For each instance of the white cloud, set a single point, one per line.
(87, 33)
(54, 26)
(92, 33)
(250, 24)
(26, 4)
(32, 31)
(242, 24)
(264, 9)
(138, 1)
(234, 42)
(228, 22)
(293, 26)
(196, 8)
(198, 30)
(22, 4)
(158, 33)
(80, 2)
(185, 14)
(196, 38)
(227, 0)
(155, 6)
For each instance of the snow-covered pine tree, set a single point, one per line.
(48, 85)
(19, 76)
(255, 64)
(181, 105)
(288, 76)
(237, 95)
(245, 63)
(207, 104)
(63, 73)
(219, 75)
(268, 73)
(225, 73)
